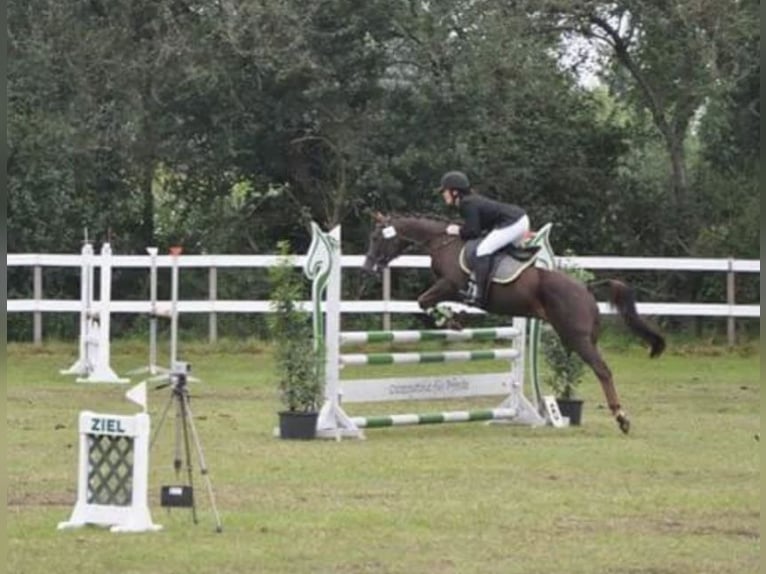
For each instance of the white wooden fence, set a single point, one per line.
(38, 304)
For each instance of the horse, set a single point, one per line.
(550, 295)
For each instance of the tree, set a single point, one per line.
(669, 59)
(101, 83)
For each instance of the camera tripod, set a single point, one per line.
(185, 432)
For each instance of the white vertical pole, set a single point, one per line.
(82, 365)
(525, 411)
(518, 370)
(37, 316)
(90, 354)
(152, 251)
(83, 470)
(731, 331)
(104, 301)
(387, 297)
(213, 317)
(140, 519)
(152, 368)
(332, 321)
(174, 252)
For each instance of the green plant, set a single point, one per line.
(297, 361)
(566, 369)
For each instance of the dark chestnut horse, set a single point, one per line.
(539, 293)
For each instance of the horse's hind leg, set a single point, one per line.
(573, 313)
(585, 347)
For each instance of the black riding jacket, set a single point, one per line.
(482, 214)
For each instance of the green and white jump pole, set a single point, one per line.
(433, 357)
(492, 334)
(435, 418)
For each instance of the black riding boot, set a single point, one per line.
(482, 270)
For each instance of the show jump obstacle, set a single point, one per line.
(323, 267)
(113, 473)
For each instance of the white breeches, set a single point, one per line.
(502, 236)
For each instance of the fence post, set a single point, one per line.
(731, 331)
(37, 317)
(387, 297)
(213, 318)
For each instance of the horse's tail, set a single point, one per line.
(624, 300)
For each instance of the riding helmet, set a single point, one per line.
(455, 180)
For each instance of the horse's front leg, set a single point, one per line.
(442, 290)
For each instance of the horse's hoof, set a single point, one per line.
(623, 422)
(454, 325)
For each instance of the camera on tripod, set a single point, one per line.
(181, 368)
(182, 495)
(179, 373)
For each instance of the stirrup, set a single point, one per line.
(469, 294)
(472, 298)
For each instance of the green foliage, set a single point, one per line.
(297, 362)
(224, 129)
(565, 368)
(671, 61)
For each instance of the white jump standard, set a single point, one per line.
(92, 364)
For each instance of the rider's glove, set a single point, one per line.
(453, 229)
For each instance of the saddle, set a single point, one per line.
(507, 264)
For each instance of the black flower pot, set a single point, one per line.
(571, 408)
(298, 425)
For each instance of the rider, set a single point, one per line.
(504, 223)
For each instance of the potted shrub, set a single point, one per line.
(566, 369)
(297, 361)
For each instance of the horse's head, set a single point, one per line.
(385, 244)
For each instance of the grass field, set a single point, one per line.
(681, 494)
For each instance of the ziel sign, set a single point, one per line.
(100, 425)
